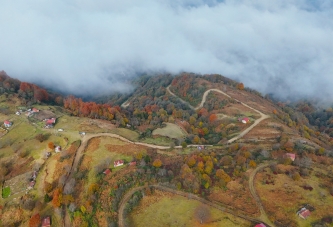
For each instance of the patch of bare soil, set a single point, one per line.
(127, 149)
(264, 131)
(104, 124)
(236, 109)
(44, 114)
(88, 126)
(237, 196)
(252, 100)
(93, 144)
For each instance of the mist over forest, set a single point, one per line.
(87, 47)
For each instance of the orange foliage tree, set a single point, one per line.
(34, 220)
(212, 117)
(157, 163)
(253, 164)
(56, 201)
(50, 145)
(191, 161)
(223, 175)
(240, 86)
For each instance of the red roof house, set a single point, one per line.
(291, 156)
(46, 222)
(50, 121)
(304, 213)
(107, 171)
(35, 110)
(260, 225)
(245, 120)
(7, 123)
(118, 163)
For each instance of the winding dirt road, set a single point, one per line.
(85, 140)
(204, 98)
(129, 194)
(263, 215)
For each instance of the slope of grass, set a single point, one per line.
(178, 211)
(6, 192)
(170, 130)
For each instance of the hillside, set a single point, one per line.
(221, 150)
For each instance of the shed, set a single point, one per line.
(46, 222)
(107, 171)
(303, 213)
(118, 163)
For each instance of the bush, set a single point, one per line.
(42, 137)
(6, 192)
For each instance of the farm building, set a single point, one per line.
(118, 163)
(291, 156)
(303, 213)
(18, 113)
(7, 123)
(46, 222)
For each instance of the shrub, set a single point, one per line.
(6, 192)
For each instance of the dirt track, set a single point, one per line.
(129, 194)
(204, 98)
(256, 197)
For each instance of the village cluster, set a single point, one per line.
(49, 122)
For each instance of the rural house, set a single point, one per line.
(46, 222)
(57, 149)
(34, 110)
(291, 156)
(304, 213)
(7, 123)
(118, 163)
(31, 185)
(245, 120)
(50, 121)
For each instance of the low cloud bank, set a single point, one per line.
(86, 47)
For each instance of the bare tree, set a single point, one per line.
(265, 153)
(62, 180)
(72, 207)
(69, 187)
(37, 166)
(202, 213)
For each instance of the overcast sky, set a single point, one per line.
(283, 46)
